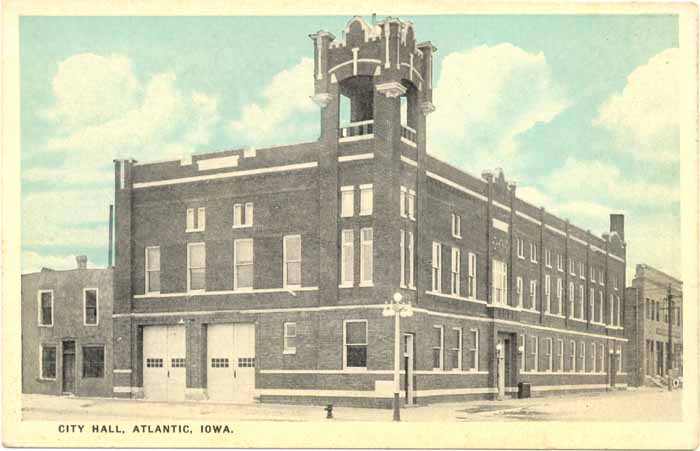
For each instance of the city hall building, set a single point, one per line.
(260, 275)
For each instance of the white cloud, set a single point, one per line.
(486, 98)
(644, 116)
(34, 261)
(286, 96)
(584, 213)
(603, 180)
(654, 240)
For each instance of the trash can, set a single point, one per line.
(523, 390)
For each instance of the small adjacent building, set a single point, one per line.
(67, 331)
(647, 318)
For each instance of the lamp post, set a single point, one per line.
(397, 309)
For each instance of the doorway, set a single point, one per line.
(409, 351)
(504, 351)
(68, 387)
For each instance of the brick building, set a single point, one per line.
(646, 324)
(261, 274)
(67, 331)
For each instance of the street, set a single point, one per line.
(643, 404)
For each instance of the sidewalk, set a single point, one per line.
(645, 404)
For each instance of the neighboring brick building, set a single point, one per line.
(646, 324)
(261, 274)
(67, 331)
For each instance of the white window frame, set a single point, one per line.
(347, 198)
(189, 245)
(41, 361)
(560, 263)
(248, 214)
(534, 341)
(611, 307)
(235, 266)
(458, 349)
(411, 261)
(347, 249)
(581, 306)
(520, 245)
(582, 356)
(582, 270)
(285, 261)
(533, 252)
(549, 353)
(345, 345)
(366, 246)
(560, 345)
(601, 301)
(572, 300)
(523, 355)
(239, 220)
(548, 257)
(402, 251)
(572, 266)
(471, 275)
(547, 293)
(592, 271)
(594, 356)
(560, 296)
(618, 315)
(436, 267)
(411, 205)
(519, 290)
(442, 349)
(591, 305)
(456, 226)
(474, 350)
(533, 295)
(288, 350)
(500, 281)
(601, 277)
(455, 269)
(197, 214)
(403, 202)
(619, 358)
(366, 199)
(53, 309)
(97, 307)
(147, 277)
(572, 356)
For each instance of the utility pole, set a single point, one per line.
(670, 338)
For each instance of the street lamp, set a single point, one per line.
(397, 309)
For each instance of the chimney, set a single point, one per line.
(111, 233)
(617, 224)
(82, 261)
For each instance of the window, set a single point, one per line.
(560, 262)
(549, 354)
(243, 264)
(456, 351)
(403, 202)
(547, 293)
(581, 294)
(437, 343)
(366, 200)
(153, 269)
(243, 215)
(347, 257)
(292, 261)
(591, 303)
(601, 358)
(178, 363)
(534, 351)
(533, 252)
(619, 358)
(45, 301)
(571, 300)
(618, 312)
(290, 338)
(196, 266)
(611, 310)
(599, 316)
(560, 295)
(521, 350)
(601, 277)
(474, 350)
(560, 355)
(533, 295)
(520, 244)
(592, 274)
(48, 362)
(402, 280)
(456, 226)
(437, 267)
(412, 204)
(455, 269)
(90, 307)
(411, 261)
(366, 257)
(519, 290)
(581, 270)
(572, 266)
(93, 361)
(347, 201)
(355, 337)
(572, 363)
(615, 282)
(548, 258)
(581, 357)
(195, 219)
(471, 277)
(500, 282)
(594, 357)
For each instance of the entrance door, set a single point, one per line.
(231, 363)
(501, 356)
(164, 364)
(69, 367)
(408, 359)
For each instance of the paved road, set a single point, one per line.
(633, 405)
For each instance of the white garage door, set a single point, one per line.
(164, 364)
(231, 363)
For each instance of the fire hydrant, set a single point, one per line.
(329, 411)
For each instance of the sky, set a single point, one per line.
(582, 112)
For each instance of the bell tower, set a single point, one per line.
(374, 86)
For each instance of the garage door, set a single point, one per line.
(231, 363)
(164, 364)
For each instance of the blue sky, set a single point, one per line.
(581, 111)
